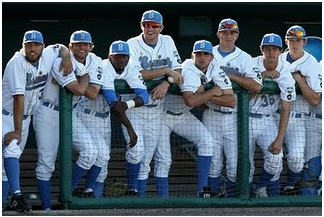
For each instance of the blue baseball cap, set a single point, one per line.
(228, 25)
(203, 46)
(152, 16)
(81, 36)
(33, 36)
(272, 40)
(296, 32)
(119, 47)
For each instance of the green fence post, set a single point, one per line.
(65, 147)
(243, 167)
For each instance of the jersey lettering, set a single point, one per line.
(155, 64)
(35, 82)
(230, 70)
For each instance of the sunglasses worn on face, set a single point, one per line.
(296, 33)
(148, 24)
(229, 27)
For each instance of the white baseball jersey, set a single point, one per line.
(130, 74)
(238, 63)
(163, 55)
(97, 77)
(310, 69)
(46, 121)
(20, 77)
(192, 77)
(51, 91)
(92, 134)
(268, 103)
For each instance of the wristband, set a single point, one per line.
(130, 104)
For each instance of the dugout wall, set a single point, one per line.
(243, 200)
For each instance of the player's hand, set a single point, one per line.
(11, 136)
(160, 91)
(217, 91)
(82, 72)
(177, 79)
(270, 74)
(54, 81)
(66, 66)
(275, 147)
(202, 107)
(132, 137)
(121, 107)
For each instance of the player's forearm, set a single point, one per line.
(64, 52)
(247, 83)
(121, 116)
(18, 112)
(284, 118)
(227, 100)
(151, 74)
(92, 92)
(196, 100)
(310, 95)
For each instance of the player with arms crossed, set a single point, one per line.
(23, 82)
(238, 66)
(262, 110)
(46, 119)
(308, 75)
(196, 72)
(117, 65)
(156, 57)
(91, 116)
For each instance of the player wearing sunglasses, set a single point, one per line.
(238, 66)
(303, 153)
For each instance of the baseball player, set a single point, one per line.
(239, 67)
(308, 75)
(198, 71)
(46, 119)
(262, 110)
(91, 116)
(23, 82)
(118, 66)
(313, 123)
(156, 57)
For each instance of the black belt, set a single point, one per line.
(220, 111)
(50, 105)
(172, 113)
(255, 115)
(4, 112)
(97, 114)
(151, 105)
(292, 114)
(313, 115)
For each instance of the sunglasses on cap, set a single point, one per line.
(148, 24)
(228, 26)
(296, 33)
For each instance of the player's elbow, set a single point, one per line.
(190, 103)
(314, 102)
(256, 88)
